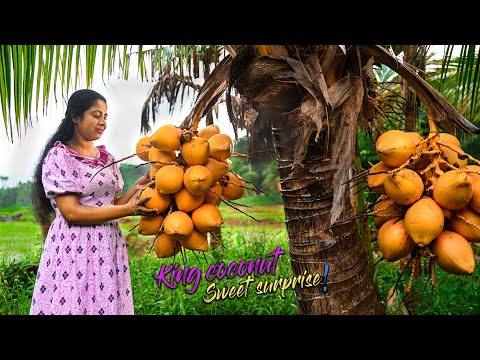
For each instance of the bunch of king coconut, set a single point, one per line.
(190, 176)
(430, 199)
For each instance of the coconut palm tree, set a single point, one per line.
(311, 99)
(320, 94)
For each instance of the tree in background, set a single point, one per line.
(260, 171)
(3, 180)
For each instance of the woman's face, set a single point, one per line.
(93, 123)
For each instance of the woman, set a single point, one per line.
(84, 264)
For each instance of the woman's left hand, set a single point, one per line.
(142, 182)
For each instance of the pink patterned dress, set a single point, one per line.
(83, 269)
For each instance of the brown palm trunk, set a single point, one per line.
(308, 198)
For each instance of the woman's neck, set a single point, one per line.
(82, 146)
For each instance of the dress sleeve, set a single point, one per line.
(57, 176)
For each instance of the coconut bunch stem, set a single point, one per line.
(468, 221)
(374, 213)
(236, 154)
(246, 181)
(133, 228)
(161, 162)
(224, 199)
(426, 253)
(219, 241)
(151, 184)
(415, 260)
(402, 272)
(120, 160)
(461, 153)
(414, 265)
(228, 202)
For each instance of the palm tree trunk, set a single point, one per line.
(308, 198)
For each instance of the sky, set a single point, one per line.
(125, 99)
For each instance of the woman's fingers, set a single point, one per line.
(146, 211)
(143, 201)
(141, 209)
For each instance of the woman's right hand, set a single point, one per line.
(136, 207)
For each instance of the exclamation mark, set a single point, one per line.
(325, 272)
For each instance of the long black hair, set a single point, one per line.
(78, 103)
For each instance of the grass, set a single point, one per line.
(260, 199)
(13, 209)
(17, 279)
(19, 237)
(16, 288)
(452, 294)
(272, 214)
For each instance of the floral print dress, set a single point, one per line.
(84, 269)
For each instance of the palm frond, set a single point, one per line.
(177, 67)
(18, 74)
(40, 72)
(5, 83)
(28, 71)
(463, 73)
(444, 112)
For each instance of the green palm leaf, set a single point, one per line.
(28, 71)
(463, 73)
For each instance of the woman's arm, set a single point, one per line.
(126, 197)
(140, 184)
(76, 213)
